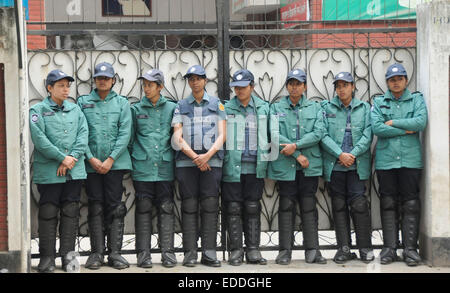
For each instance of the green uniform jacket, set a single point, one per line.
(395, 148)
(109, 129)
(311, 132)
(236, 139)
(55, 135)
(150, 146)
(335, 120)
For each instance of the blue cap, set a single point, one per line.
(297, 74)
(196, 70)
(153, 75)
(242, 77)
(394, 70)
(104, 69)
(56, 75)
(345, 76)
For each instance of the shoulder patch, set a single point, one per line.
(221, 107)
(34, 118)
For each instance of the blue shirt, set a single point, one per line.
(347, 143)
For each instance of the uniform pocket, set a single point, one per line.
(139, 156)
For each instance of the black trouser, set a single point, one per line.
(401, 184)
(347, 185)
(59, 193)
(199, 187)
(158, 192)
(249, 188)
(347, 190)
(195, 183)
(303, 189)
(400, 188)
(105, 188)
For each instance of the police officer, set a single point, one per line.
(298, 167)
(199, 133)
(153, 169)
(346, 145)
(397, 118)
(60, 135)
(245, 168)
(109, 118)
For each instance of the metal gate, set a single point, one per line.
(222, 46)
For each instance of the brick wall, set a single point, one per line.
(36, 10)
(3, 177)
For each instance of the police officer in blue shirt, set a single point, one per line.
(397, 119)
(199, 134)
(60, 135)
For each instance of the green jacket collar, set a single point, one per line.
(337, 102)
(66, 106)
(234, 102)
(146, 102)
(303, 102)
(406, 96)
(95, 97)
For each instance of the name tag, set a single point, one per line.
(331, 115)
(231, 115)
(86, 106)
(200, 119)
(142, 116)
(251, 125)
(384, 106)
(282, 114)
(48, 114)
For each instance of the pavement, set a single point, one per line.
(298, 265)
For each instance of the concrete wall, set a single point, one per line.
(16, 258)
(433, 54)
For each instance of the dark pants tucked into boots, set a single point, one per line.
(48, 221)
(209, 208)
(143, 227)
(96, 235)
(166, 223)
(114, 232)
(286, 217)
(189, 223)
(252, 231)
(68, 228)
(399, 188)
(234, 229)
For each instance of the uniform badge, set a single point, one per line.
(34, 118)
(221, 107)
(295, 72)
(103, 68)
(177, 111)
(239, 77)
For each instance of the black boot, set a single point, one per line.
(234, 229)
(310, 230)
(189, 223)
(96, 235)
(166, 224)
(342, 228)
(252, 230)
(143, 224)
(410, 231)
(114, 232)
(48, 220)
(363, 228)
(388, 207)
(68, 228)
(286, 217)
(209, 217)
